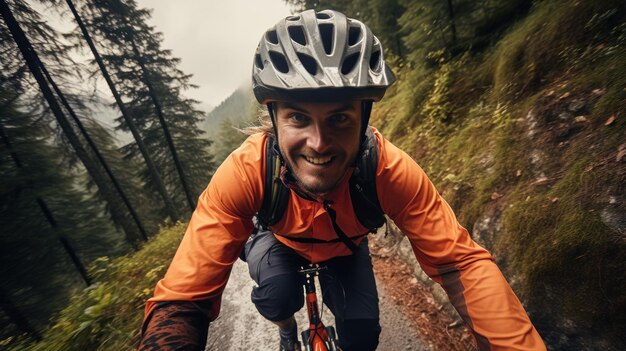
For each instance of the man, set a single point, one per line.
(318, 73)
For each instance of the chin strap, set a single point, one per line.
(271, 107)
(366, 111)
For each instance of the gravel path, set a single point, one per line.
(241, 327)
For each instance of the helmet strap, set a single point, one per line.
(271, 109)
(366, 111)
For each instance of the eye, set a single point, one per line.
(338, 119)
(297, 118)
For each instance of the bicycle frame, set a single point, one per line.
(317, 337)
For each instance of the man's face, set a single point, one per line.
(318, 141)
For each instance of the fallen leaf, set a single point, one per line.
(554, 199)
(566, 95)
(495, 195)
(580, 119)
(621, 152)
(518, 173)
(598, 92)
(610, 120)
(541, 179)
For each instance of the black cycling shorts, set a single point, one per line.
(348, 285)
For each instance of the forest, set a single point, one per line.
(515, 108)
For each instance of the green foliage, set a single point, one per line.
(225, 122)
(108, 315)
(433, 29)
(380, 15)
(240, 108)
(46, 42)
(570, 260)
(127, 174)
(396, 115)
(37, 272)
(495, 130)
(549, 41)
(437, 108)
(230, 138)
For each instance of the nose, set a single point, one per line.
(319, 138)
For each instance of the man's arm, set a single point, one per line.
(176, 325)
(188, 297)
(445, 251)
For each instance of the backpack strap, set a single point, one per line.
(363, 185)
(276, 195)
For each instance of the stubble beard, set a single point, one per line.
(320, 187)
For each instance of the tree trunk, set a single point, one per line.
(168, 137)
(154, 174)
(34, 64)
(15, 315)
(96, 151)
(452, 23)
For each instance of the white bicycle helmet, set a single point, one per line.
(319, 56)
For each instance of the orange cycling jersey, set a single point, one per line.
(222, 223)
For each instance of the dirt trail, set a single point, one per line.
(241, 327)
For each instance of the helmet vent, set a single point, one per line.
(327, 34)
(258, 62)
(272, 37)
(375, 61)
(309, 63)
(279, 61)
(297, 34)
(354, 35)
(349, 63)
(321, 15)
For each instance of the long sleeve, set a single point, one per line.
(445, 251)
(189, 295)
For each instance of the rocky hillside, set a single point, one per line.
(526, 140)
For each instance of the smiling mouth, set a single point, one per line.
(320, 161)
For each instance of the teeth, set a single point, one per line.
(318, 160)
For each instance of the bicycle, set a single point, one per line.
(317, 337)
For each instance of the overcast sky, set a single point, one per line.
(214, 39)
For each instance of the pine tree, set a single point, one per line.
(433, 30)
(148, 78)
(128, 173)
(49, 60)
(53, 96)
(37, 270)
(151, 168)
(230, 137)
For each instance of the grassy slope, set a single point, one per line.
(107, 315)
(520, 135)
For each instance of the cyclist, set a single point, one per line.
(318, 73)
